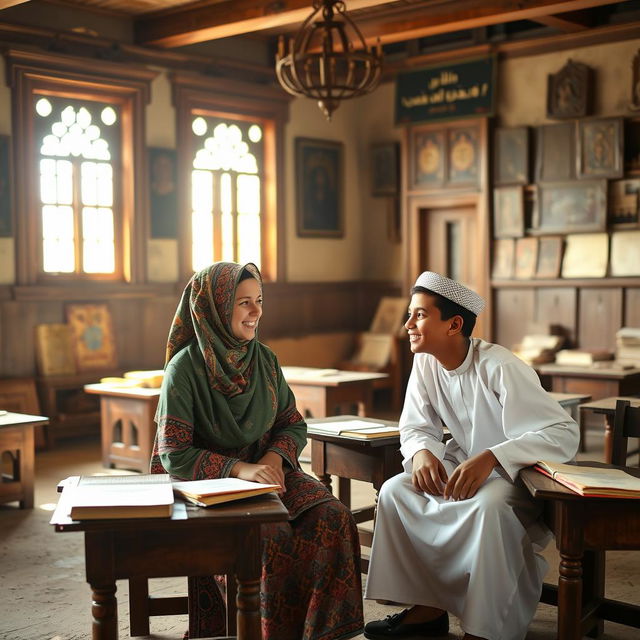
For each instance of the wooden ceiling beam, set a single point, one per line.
(180, 27)
(5, 4)
(568, 22)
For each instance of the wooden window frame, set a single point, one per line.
(35, 74)
(239, 100)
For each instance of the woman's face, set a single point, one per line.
(247, 309)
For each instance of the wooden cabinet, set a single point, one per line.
(600, 318)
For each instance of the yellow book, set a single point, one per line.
(593, 482)
(205, 493)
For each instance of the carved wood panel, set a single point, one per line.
(514, 313)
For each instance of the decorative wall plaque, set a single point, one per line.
(570, 91)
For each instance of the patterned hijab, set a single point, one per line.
(205, 312)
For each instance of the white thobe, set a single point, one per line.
(476, 558)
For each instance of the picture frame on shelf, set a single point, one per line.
(569, 207)
(504, 251)
(390, 316)
(463, 167)
(526, 258)
(624, 201)
(555, 152)
(570, 91)
(549, 257)
(384, 169)
(319, 188)
(625, 253)
(428, 158)
(586, 255)
(511, 156)
(93, 336)
(508, 212)
(600, 148)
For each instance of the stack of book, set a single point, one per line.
(538, 348)
(628, 346)
(582, 357)
(357, 429)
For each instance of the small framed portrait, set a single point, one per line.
(586, 256)
(600, 153)
(624, 200)
(163, 194)
(319, 188)
(390, 316)
(555, 152)
(526, 258)
(503, 258)
(384, 169)
(570, 91)
(428, 158)
(508, 212)
(93, 336)
(511, 156)
(568, 207)
(464, 157)
(549, 257)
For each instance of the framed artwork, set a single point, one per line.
(586, 256)
(428, 155)
(511, 156)
(464, 156)
(163, 193)
(384, 169)
(504, 250)
(374, 350)
(319, 188)
(549, 257)
(390, 316)
(600, 153)
(508, 212)
(526, 258)
(570, 91)
(54, 350)
(93, 338)
(6, 226)
(555, 152)
(625, 253)
(623, 202)
(568, 207)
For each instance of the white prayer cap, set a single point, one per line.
(451, 290)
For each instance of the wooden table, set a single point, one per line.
(606, 406)
(373, 461)
(127, 425)
(324, 392)
(584, 528)
(194, 542)
(598, 383)
(16, 438)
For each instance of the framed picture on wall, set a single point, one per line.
(570, 91)
(526, 258)
(464, 156)
(93, 336)
(319, 188)
(624, 200)
(511, 156)
(549, 257)
(600, 153)
(555, 152)
(567, 207)
(508, 212)
(503, 258)
(384, 169)
(586, 256)
(428, 157)
(625, 253)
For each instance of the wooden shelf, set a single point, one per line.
(566, 282)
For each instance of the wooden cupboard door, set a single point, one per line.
(632, 308)
(558, 306)
(600, 317)
(514, 314)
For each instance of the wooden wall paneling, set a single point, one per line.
(18, 344)
(632, 307)
(156, 318)
(513, 312)
(558, 306)
(129, 332)
(600, 316)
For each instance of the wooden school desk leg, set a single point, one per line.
(608, 437)
(318, 463)
(249, 567)
(100, 561)
(104, 610)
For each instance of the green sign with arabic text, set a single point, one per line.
(461, 89)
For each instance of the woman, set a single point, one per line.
(226, 410)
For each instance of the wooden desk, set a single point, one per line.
(16, 438)
(598, 383)
(606, 406)
(584, 528)
(320, 392)
(126, 424)
(194, 542)
(373, 461)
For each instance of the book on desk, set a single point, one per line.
(205, 493)
(592, 482)
(358, 429)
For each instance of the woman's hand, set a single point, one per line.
(428, 474)
(267, 470)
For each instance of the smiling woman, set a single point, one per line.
(225, 410)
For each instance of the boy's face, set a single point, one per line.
(428, 332)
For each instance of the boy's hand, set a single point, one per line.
(428, 473)
(469, 476)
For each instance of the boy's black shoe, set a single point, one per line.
(392, 627)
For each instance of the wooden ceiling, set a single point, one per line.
(176, 23)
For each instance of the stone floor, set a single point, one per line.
(44, 596)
